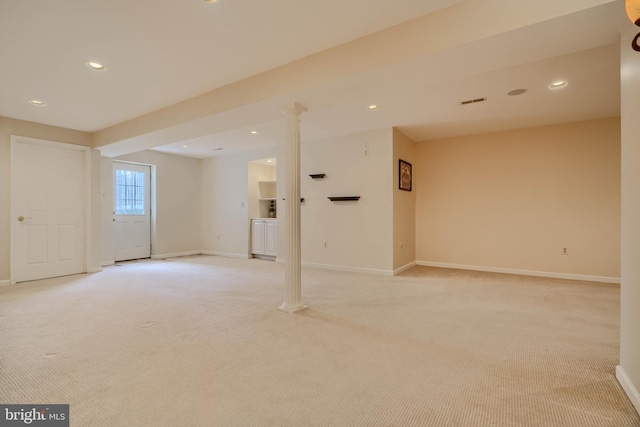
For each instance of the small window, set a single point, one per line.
(129, 192)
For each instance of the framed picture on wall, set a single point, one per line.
(405, 175)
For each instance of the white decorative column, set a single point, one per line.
(293, 286)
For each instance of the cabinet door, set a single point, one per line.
(257, 237)
(270, 238)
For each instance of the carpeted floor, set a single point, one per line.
(199, 341)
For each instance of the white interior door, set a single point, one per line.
(47, 211)
(132, 213)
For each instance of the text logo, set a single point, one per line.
(34, 415)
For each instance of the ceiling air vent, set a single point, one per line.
(473, 101)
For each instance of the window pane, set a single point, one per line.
(129, 192)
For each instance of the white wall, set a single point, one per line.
(404, 205)
(107, 249)
(359, 235)
(628, 372)
(95, 264)
(512, 200)
(225, 222)
(177, 201)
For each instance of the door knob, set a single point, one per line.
(22, 218)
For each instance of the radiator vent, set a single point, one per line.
(473, 101)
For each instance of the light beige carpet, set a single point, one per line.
(199, 341)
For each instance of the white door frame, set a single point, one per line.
(152, 201)
(86, 196)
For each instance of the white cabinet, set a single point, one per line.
(263, 237)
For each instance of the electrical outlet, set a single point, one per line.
(565, 251)
(366, 148)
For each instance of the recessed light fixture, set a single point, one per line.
(373, 107)
(37, 102)
(92, 65)
(254, 132)
(516, 92)
(269, 160)
(185, 146)
(211, 1)
(558, 84)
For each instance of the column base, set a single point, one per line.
(293, 309)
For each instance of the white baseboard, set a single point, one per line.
(347, 268)
(176, 254)
(93, 270)
(108, 262)
(225, 254)
(628, 387)
(5, 282)
(585, 278)
(404, 268)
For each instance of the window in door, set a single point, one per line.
(130, 192)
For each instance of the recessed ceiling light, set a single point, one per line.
(269, 160)
(254, 132)
(37, 102)
(558, 84)
(92, 65)
(185, 146)
(516, 92)
(373, 107)
(211, 1)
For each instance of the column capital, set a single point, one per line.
(294, 108)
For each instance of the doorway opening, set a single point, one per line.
(263, 208)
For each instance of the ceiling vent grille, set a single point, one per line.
(473, 101)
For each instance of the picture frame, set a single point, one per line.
(405, 175)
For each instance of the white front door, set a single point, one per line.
(47, 211)
(131, 208)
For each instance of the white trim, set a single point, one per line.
(585, 278)
(226, 254)
(93, 270)
(176, 254)
(5, 282)
(347, 268)
(86, 194)
(108, 262)
(151, 206)
(48, 143)
(628, 387)
(404, 268)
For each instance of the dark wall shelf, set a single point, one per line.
(344, 198)
(317, 175)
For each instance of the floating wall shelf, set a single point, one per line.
(317, 175)
(344, 198)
